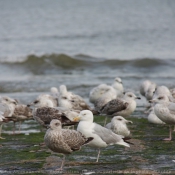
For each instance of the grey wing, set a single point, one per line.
(108, 125)
(171, 108)
(114, 106)
(106, 135)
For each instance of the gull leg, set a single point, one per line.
(170, 134)
(19, 127)
(1, 131)
(62, 163)
(98, 155)
(14, 126)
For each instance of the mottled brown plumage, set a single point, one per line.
(45, 115)
(22, 112)
(114, 106)
(64, 141)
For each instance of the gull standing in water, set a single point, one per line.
(64, 141)
(165, 111)
(103, 137)
(118, 125)
(152, 118)
(120, 106)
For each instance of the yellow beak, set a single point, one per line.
(76, 119)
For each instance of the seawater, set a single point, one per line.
(84, 43)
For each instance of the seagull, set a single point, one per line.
(64, 141)
(54, 92)
(22, 112)
(165, 111)
(152, 118)
(2, 118)
(5, 114)
(102, 90)
(118, 125)
(103, 137)
(72, 101)
(44, 100)
(45, 115)
(120, 106)
(162, 90)
(147, 89)
(118, 86)
(17, 112)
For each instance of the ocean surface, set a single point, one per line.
(82, 43)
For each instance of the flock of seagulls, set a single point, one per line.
(61, 108)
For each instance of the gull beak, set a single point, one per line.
(76, 119)
(129, 121)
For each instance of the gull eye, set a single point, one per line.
(130, 95)
(160, 98)
(64, 97)
(119, 119)
(57, 124)
(14, 102)
(35, 102)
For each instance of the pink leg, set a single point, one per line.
(170, 135)
(62, 164)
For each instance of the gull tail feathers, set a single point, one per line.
(123, 143)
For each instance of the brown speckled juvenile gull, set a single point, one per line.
(22, 112)
(64, 141)
(124, 106)
(45, 115)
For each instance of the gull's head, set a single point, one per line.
(85, 115)
(160, 99)
(120, 120)
(55, 125)
(54, 91)
(44, 100)
(8, 101)
(150, 92)
(130, 95)
(118, 80)
(63, 89)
